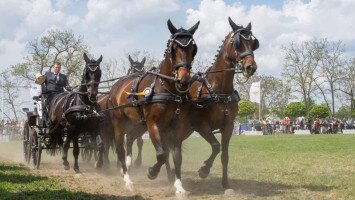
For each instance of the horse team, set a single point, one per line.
(166, 101)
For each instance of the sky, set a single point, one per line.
(114, 27)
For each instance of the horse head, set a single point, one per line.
(181, 52)
(240, 45)
(91, 77)
(136, 66)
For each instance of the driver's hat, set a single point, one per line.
(40, 78)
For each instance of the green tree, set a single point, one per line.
(343, 112)
(246, 108)
(300, 68)
(295, 109)
(10, 91)
(55, 45)
(320, 111)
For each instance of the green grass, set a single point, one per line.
(286, 166)
(18, 183)
(266, 167)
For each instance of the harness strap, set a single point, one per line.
(76, 108)
(157, 98)
(182, 64)
(135, 98)
(216, 98)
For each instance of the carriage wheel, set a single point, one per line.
(26, 143)
(36, 149)
(39, 152)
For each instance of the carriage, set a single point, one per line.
(36, 135)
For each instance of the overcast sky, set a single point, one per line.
(115, 27)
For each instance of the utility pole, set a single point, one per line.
(2, 98)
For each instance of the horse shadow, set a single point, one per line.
(62, 194)
(12, 174)
(212, 186)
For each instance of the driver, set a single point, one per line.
(54, 84)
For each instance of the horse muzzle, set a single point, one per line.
(249, 70)
(182, 86)
(92, 98)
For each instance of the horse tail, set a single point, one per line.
(56, 131)
(55, 140)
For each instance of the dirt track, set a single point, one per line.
(109, 181)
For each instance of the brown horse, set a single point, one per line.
(214, 102)
(136, 66)
(214, 97)
(69, 111)
(151, 101)
(107, 130)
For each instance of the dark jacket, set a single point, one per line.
(51, 85)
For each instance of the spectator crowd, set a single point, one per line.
(316, 126)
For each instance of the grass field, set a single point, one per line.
(266, 167)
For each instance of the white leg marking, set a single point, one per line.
(180, 191)
(128, 161)
(129, 183)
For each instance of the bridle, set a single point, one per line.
(237, 63)
(93, 67)
(137, 67)
(182, 38)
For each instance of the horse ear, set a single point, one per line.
(143, 61)
(99, 60)
(248, 27)
(232, 24)
(171, 27)
(130, 59)
(87, 60)
(194, 28)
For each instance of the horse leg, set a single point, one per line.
(155, 137)
(121, 154)
(169, 172)
(226, 135)
(105, 139)
(118, 164)
(76, 153)
(138, 161)
(101, 150)
(65, 147)
(204, 171)
(129, 143)
(177, 157)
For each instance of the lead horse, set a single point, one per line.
(69, 114)
(152, 100)
(215, 98)
(213, 102)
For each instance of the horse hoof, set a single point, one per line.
(98, 165)
(151, 174)
(203, 172)
(138, 163)
(229, 192)
(78, 175)
(182, 194)
(129, 187)
(66, 167)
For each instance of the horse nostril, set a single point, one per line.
(248, 68)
